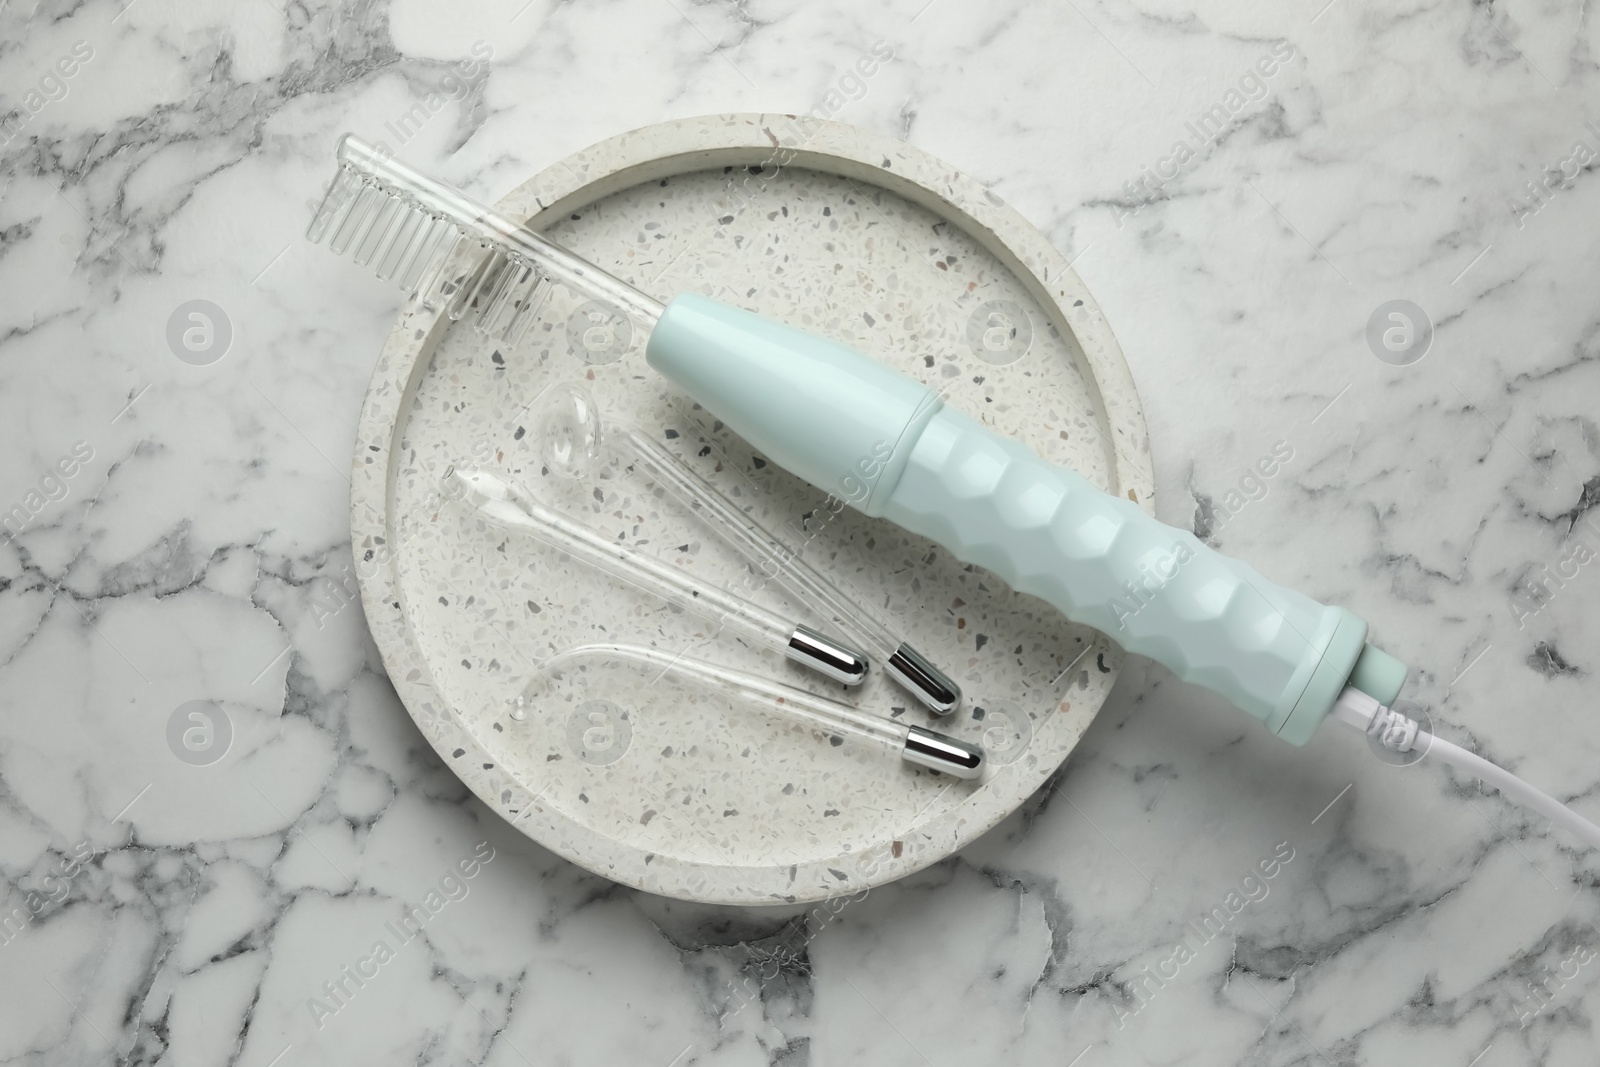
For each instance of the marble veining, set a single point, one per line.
(168, 909)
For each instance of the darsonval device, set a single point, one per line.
(888, 446)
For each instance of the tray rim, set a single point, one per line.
(620, 162)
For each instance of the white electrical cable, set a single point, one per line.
(1400, 733)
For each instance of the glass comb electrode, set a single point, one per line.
(409, 227)
(507, 507)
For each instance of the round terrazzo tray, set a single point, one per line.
(648, 780)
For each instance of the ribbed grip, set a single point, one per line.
(1101, 561)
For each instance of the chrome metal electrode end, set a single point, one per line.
(829, 658)
(945, 754)
(925, 681)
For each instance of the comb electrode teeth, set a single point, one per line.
(517, 289)
(340, 194)
(361, 205)
(455, 280)
(472, 289)
(353, 230)
(419, 257)
(437, 284)
(493, 287)
(407, 225)
(386, 226)
(510, 279)
(372, 234)
(532, 294)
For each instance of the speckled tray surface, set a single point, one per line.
(654, 782)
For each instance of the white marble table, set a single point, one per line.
(183, 537)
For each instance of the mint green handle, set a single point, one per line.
(887, 445)
(1103, 562)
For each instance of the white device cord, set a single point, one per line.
(1400, 733)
